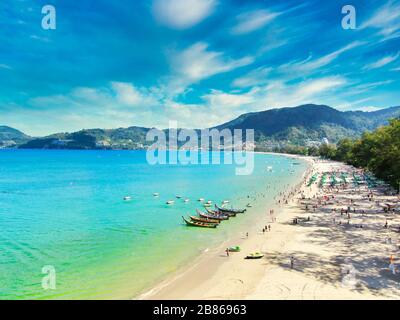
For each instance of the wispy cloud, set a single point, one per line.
(42, 39)
(310, 64)
(197, 63)
(182, 14)
(386, 20)
(256, 77)
(382, 62)
(252, 21)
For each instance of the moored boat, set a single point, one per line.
(199, 224)
(219, 217)
(256, 255)
(206, 220)
(217, 212)
(230, 210)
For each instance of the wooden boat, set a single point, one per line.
(199, 224)
(255, 255)
(230, 210)
(217, 212)
(218, 217)
(205, 220)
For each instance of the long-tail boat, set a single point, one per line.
(230, 210)
(219, 217)
(217, 212)
(199, 224)
(205, 220)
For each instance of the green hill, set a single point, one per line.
(10, 137)
(304, 125)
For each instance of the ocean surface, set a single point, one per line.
(65, 209)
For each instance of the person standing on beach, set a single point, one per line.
(227, 252)
(291, 262)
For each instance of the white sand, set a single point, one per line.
(331, 261)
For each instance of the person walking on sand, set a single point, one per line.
(227, 252)
(392, 266)
(291, 262)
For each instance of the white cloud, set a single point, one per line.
(386, 19)
(252, 21)
(197, 63)
(220, 99)
(42, 39)
(308, 89)
(382, 62)
(368, 108)
(182, 14)
(311, 65)
(127, 94)
(256, 77)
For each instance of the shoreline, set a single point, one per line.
(208, 258)
(322, 249)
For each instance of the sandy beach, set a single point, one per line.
(327, 240)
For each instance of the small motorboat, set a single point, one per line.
(169, 202)
(249, 205)
(127, 198)
(255, 255)
(178, 197)
(206, 205)
(201, 200)
(186, 200)
(156, 194)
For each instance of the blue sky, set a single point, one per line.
(120, 63)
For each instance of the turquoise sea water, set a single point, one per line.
(65, 209)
